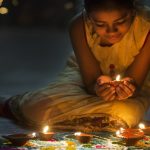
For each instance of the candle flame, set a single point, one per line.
(77, 133)
(118, 77)
(118, 132)
(141, 126)
(34, 134)
(46, 128)
(121, 130)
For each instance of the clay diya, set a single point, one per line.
(18, 139)
(116, 82)
(146, 130)
(83, 138)
(130, 136)
(46, 136)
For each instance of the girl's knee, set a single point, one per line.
(130, 111)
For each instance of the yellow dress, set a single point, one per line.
(66, 105)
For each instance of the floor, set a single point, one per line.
(31, 58)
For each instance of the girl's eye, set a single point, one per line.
(100, 25)
(105, 25)
(121, 22)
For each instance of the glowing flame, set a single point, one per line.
(118, 132)
(45, 129)
(121, 130)
(118, 78)
(34, 134)
(141, 126)
(77, 133)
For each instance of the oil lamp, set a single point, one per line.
(83, 137)
(146, 130)
(45, 134)
(130, 136)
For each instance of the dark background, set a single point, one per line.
(27, 13)
(34, 42)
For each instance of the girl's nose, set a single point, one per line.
(112, 29)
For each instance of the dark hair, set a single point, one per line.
(91, 5)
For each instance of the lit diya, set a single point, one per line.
(46, 135)
(116, 82)
(19, 139)
(130, 136)
(146, 130)
(83, 138)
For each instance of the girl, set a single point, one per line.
(109, 37)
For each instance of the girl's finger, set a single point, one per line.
(108, 92)
(126, 90)
(110, 95)
(130, 85)
(121, 94)
(102, 88)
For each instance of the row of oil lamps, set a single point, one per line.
(129, 135)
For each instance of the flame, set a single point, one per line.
(34, 134)
(118, 132)
(45, 129)
(141, 126)
(118, 78)
(121, 130)
(77, 133)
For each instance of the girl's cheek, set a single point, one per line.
(124, 28)
(100, 32)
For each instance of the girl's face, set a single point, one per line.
(112, 25)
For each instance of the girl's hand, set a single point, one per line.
(125, 89)
(104, 89)
(103, 79)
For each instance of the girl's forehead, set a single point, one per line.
(108, 14)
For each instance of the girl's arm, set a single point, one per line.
(140, 67)
(136, 73)
(89, 67)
